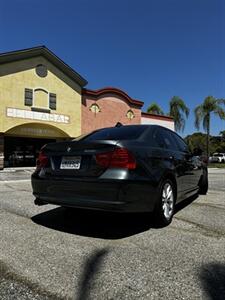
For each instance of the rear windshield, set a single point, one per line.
(116, 133)
(218, 155)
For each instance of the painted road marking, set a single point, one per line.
(13, 181)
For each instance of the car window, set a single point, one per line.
(154, 138)
(117, 133)
(181, 144)
(169, 140)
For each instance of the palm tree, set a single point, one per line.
(203, 114)
(155, 109)
(178, 110)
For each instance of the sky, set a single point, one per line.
(151, 49)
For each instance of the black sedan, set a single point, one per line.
(136, 168)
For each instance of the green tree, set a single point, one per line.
(196, 140)
(155, 109)
(222, 133)
(179, 111)
(203, 115)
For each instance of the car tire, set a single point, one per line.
(203, 183)
(165, 206)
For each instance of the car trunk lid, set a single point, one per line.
(76, 158)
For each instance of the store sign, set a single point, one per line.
(35, 115)
(36, 132)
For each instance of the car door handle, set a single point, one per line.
(171, 157)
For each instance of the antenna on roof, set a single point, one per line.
(118, 124)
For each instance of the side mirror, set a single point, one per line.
(197, 152)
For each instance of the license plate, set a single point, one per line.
(70, 162)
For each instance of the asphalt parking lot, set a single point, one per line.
(50, 253)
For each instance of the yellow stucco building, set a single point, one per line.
(40, 101)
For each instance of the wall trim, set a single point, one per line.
(157, 117)
(112, 90)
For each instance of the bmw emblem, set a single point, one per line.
(68, 149)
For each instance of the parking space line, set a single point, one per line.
(13, 181)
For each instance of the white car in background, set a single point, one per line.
(218, 158)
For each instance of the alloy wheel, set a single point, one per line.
(167, 201)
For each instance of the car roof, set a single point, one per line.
(145, 126)
(138, 125)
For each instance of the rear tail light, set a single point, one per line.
(119, 158)
(42, 160)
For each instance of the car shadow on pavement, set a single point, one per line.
(185, 203)
(212, 277)
(99, 224)
(95, 224)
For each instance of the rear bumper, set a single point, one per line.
(114, 195)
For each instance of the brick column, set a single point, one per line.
(1, 151)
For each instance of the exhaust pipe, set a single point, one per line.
(39, 202)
